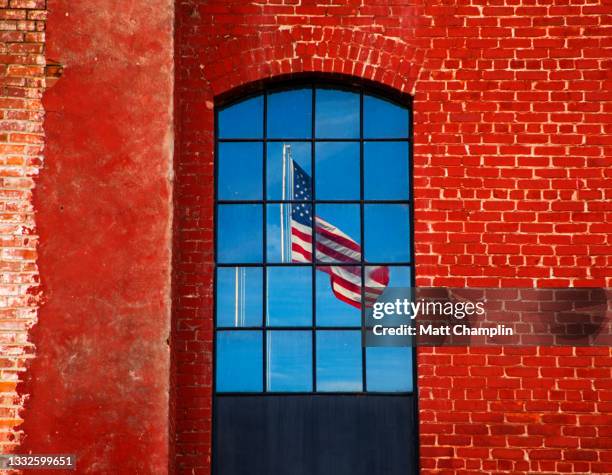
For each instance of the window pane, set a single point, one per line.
(337, 114)
(383, 119)
(240, 171)
(400, 276)
(386, 171)
(289, 296)
(339, 360)
(289, 361)
(239, 233)
(301, 153)
(338, 233)
(239, 296)
(338, 296)
(399, 283)
(389, 369)
(243, 120)
(289, 235)
(337, 171)
(290, 114)
(239, 361)
(387, 233)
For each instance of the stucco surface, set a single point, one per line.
(98, 386)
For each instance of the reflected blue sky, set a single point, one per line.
(386, 171)
(243, 120)
(290, 361)
(339, 361)
(240, 171)
(337, 171)
(239, 233)
(389, 369)
(239, 296)
(239, 361)
(337, 114)
(288, 295)
(296, 105)
(387, 233)
(383, 119)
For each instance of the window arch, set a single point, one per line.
(313, 223)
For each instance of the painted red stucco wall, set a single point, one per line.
(512, 127)
(98, 386)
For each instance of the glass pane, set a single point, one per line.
(386, 171)
(387, 233)
(383, 119)
(387, 284)
(243, 120)
(339, 360)
(289, 296)
(377, 280)
(337, 114)
(400, 276)
(381, 278)
(240, 171)
(338, 233)
(239, 361)
(239, 296)
(338, 296)
(389, 369)
(239, 233)
(289, 361)
(337, 171)
(290, 114)
(289, 233)
(301, 153)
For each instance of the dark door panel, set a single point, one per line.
(314, 435)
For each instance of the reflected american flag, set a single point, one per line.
(333, 246)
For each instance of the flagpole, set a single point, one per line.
(282, 206)
(289, 194)
(236, 284)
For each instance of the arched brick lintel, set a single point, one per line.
(372, 57)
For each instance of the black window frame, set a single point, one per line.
(264, 89)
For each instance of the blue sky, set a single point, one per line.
(288, 299)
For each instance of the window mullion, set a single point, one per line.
(314, 242)
(264, 286)
(364, 383)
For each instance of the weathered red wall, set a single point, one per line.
(513, 109)
(98, 386)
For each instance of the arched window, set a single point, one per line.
(313, 223)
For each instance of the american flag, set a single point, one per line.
(333, 246)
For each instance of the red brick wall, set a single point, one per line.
(21, 142)
(513, 109)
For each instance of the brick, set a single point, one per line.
(20, 59)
